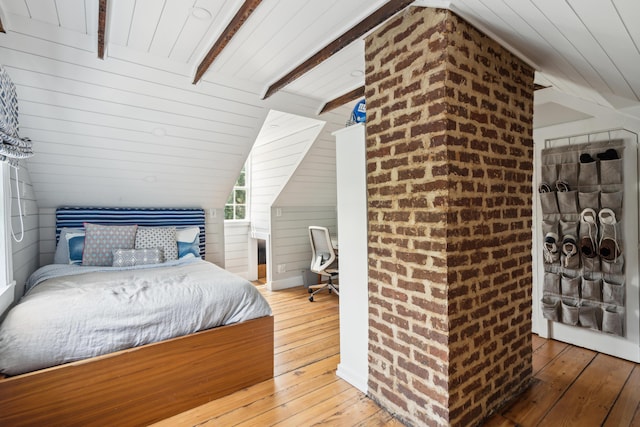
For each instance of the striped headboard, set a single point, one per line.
(75, 217)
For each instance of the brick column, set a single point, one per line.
(449, 170)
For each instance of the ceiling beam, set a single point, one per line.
(379, 16)
(102, 23)
(343, 99)
(238, 20)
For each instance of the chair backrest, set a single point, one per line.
(322, 253)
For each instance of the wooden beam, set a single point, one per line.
(376, 18)
(343, 99)
(102, 22)
(238, 20)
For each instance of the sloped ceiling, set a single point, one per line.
(132, 129)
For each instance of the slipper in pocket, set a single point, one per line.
(588, 233)
(550, 248)
(608, 247)
(570, 257)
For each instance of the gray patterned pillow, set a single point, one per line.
(158, 237)
(101, 240)
(131, 257)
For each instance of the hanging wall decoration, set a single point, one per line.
(581, 195)
(12, 147)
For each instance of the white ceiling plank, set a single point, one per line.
(17, 7)
(83, 103)
(126, 97)
(629, 12)
(43, 10)
(53, 33)
(173, 19)
(146, 14)
(184, 49)
(72, 15)
(32, 124)
(92, 12)
(605, 25)
(88, 166)
(581, 49)
(120, 18)
(45, 56)
(330, 79)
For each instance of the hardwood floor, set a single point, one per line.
(572, 386)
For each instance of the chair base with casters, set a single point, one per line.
(332, 287)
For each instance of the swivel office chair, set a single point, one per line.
(324, 260)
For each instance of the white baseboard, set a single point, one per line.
(352, 378)
(291, 282)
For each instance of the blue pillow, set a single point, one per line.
(76, 247)
(62, 250)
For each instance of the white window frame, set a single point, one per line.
(7, 285)
(247, 189)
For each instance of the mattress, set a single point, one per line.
(72, 313)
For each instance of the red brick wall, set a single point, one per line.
(449, 170)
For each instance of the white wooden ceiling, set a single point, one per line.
(135, 126)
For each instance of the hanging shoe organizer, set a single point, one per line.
(584, 238)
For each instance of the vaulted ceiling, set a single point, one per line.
(137, 111)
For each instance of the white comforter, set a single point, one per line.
(74, 317)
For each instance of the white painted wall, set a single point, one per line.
(290, 245)
(24, 253)
(236, 247)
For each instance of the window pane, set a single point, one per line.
(241, 180)
(241, 196)
(230, 199)
(228, 212)
(240, 212)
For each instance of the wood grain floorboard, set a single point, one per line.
(571, 386)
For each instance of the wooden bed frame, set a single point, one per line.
(142, 385)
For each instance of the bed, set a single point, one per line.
(142, 370)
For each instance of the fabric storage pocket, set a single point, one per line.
(568, 172)
(548, 203)
(612, 293)
(612, 317)
(551, 285)
(613, 201)
(570, 286)
(611, 171)
(616, 267)
(549, 227)
(588, 174)
(551, 308)
(568, 228)
(590, 264)
(589, 200)
(549, 174)
(567, 202)
(589, 315)
(570, 312)
(591, 289)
